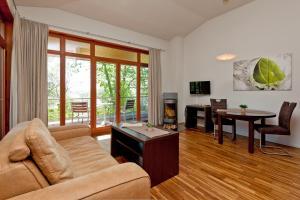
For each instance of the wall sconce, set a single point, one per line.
(226, 57)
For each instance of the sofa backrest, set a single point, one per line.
(17, 177)
(51, 158)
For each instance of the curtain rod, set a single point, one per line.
(91, 34)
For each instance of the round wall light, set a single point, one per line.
(226, 57)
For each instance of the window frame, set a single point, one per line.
(94, 59)
(2, 40)
(6, 44)
(2, 82)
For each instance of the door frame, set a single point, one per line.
(93, 60)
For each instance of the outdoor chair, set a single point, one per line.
(78, 109)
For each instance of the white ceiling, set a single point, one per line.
(160, 18)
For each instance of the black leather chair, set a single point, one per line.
(283, 128)
(221, 104)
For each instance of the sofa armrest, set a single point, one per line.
(124, 181)
(70, 131)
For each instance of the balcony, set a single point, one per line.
(105, 113)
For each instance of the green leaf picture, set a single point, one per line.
(261, 73)
(268, 72)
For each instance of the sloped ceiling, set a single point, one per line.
(160, 18)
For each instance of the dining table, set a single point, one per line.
(250, 116)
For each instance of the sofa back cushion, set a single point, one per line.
(17, 178)
(18, 149)
(50, 157)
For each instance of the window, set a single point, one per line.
(53, 90)
(107, 52)
(144, 93)
(78, 47)
(78, 73)
(128, 91)
(90, 82)
(54, 43)
(106, 93)
(145, 58)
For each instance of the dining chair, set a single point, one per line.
(283, 128)
(221, 104)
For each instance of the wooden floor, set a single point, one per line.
(212, 171)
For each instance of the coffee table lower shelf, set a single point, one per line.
(159, 156)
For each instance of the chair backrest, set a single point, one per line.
(218, 104)
(79, 106)
(285, 114)
(129, 104)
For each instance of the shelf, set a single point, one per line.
(200, 125)
(200, 114)
(128, 148)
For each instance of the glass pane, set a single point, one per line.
(53, 90)
(106, 93)
(1, 92)
(108, 52)
(53, 43)
(144, 93)
(145, 58)
(77, 90)
(78, 47)
(128, 93)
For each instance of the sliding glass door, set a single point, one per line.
(95, 83)
(106, 93)
(78, 73)
(128, 91)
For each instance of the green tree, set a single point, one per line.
(106, 81)
(106, 86)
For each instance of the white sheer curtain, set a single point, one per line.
(154, 88)
(29, 71)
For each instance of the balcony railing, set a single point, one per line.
(105, 111)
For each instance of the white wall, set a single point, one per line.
(263, 27)
(64, 19)
(175, 73)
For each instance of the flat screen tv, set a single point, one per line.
(200, 87)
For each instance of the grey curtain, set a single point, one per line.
(29, 85)
(154, 88)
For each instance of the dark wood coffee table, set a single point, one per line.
(158, 156)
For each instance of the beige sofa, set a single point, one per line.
(88, 172)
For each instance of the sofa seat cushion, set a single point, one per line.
(51, 158)
(87, 155)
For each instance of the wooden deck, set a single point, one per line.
(212, 171)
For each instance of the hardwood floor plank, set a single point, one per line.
(210, 171)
